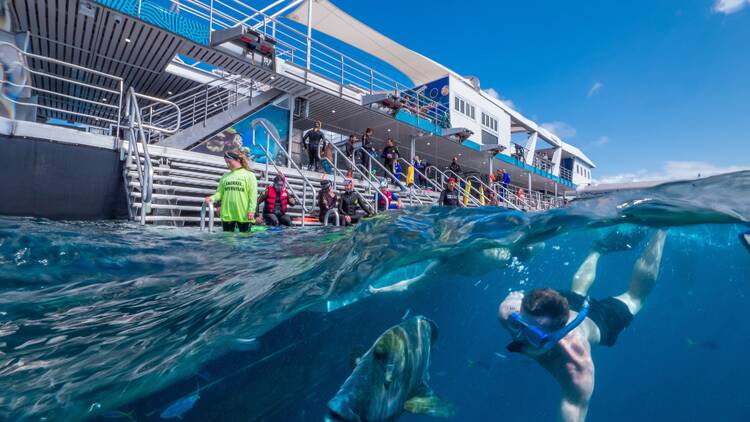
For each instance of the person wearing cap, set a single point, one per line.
(351, 202)
(385, 198)
(449, 197)
(275, 200)
(311, 142)
(238, 193)
(327, 200)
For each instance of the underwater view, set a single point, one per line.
(396, 318)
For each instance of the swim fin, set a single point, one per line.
(745, 239)
(430, 405)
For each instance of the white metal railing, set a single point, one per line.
(104, 100)
(211, 213)
(306, 182)
(312, 56)
(566, 174)
(354, 168)
(335, 212)
(445, 177)
(137, 147)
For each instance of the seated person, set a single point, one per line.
(275, 200)
(327, 200)
(394, 202)
(350, 203)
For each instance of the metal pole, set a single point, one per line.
(210, 19)
(529, 196)
(291, 125)
(413, 149)
(268, 145)
(372, 81)
(341, 88)
(205, 110)
(309, 32)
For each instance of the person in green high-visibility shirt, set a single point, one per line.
(238, 193)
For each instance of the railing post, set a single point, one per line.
(205, 110)
(210, 19)
(268, 145)
(140, 2)
(372, 81)
(341, 87)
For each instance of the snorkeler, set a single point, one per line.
(558, 328)
(238, 193)
(275, 200)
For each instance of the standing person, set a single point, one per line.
(311, 142)
(418, 170)
(506, 182)
(390, 156)
(238, 193)
(327, 200)
(559, 328)
(275, 200)
(367, 147)
(454, 167)
(349, 151)
(351, 202)
(449, 197)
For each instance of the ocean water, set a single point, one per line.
(111, 321)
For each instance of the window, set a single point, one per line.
(464, 107)
(489, 122)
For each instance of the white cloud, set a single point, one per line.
(560, 129)
(728, 7)
(494, 94)
(596, 87)
(672, 170)
(601, 141)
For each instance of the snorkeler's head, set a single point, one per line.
(547, 308)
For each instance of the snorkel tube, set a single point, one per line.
(529, 334)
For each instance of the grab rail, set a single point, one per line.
(493, 191)
(387, 172)
(306, 183)
(135, 137)
(328, 214)
(338, 152)
(211, 212)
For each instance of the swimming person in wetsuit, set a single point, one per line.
(275, 200)
(351, 202)
(238, 193)
(449, 196)
(558, 328)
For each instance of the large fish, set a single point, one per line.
(391, 378)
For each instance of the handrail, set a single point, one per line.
(113, 80)
(338, 152)
(493, 191)
(135, 136)
(460, 189)
(211, 212)
(387, 172)
(167, 103)
(291, 190)
(328, 213)
(438, 188)
(307, 181)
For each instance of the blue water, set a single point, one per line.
(111, 321)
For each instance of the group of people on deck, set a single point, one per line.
(241, 202)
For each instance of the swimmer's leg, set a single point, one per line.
(645, 271)
(586, 274)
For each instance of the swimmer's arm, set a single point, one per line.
(512, 303)
(578, 382)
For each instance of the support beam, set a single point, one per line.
(531, 148)
(556, 161)
(413, 149)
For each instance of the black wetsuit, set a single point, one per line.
(389, 162)
(455, 168)
(450, 198)
(325, 203)
(311, 141)
(350, 203)
(367, 146)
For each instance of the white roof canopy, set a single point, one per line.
(331, 20)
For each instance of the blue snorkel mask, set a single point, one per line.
(526, 333)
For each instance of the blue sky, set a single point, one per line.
(648, 89)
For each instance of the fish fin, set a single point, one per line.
(430, 405)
